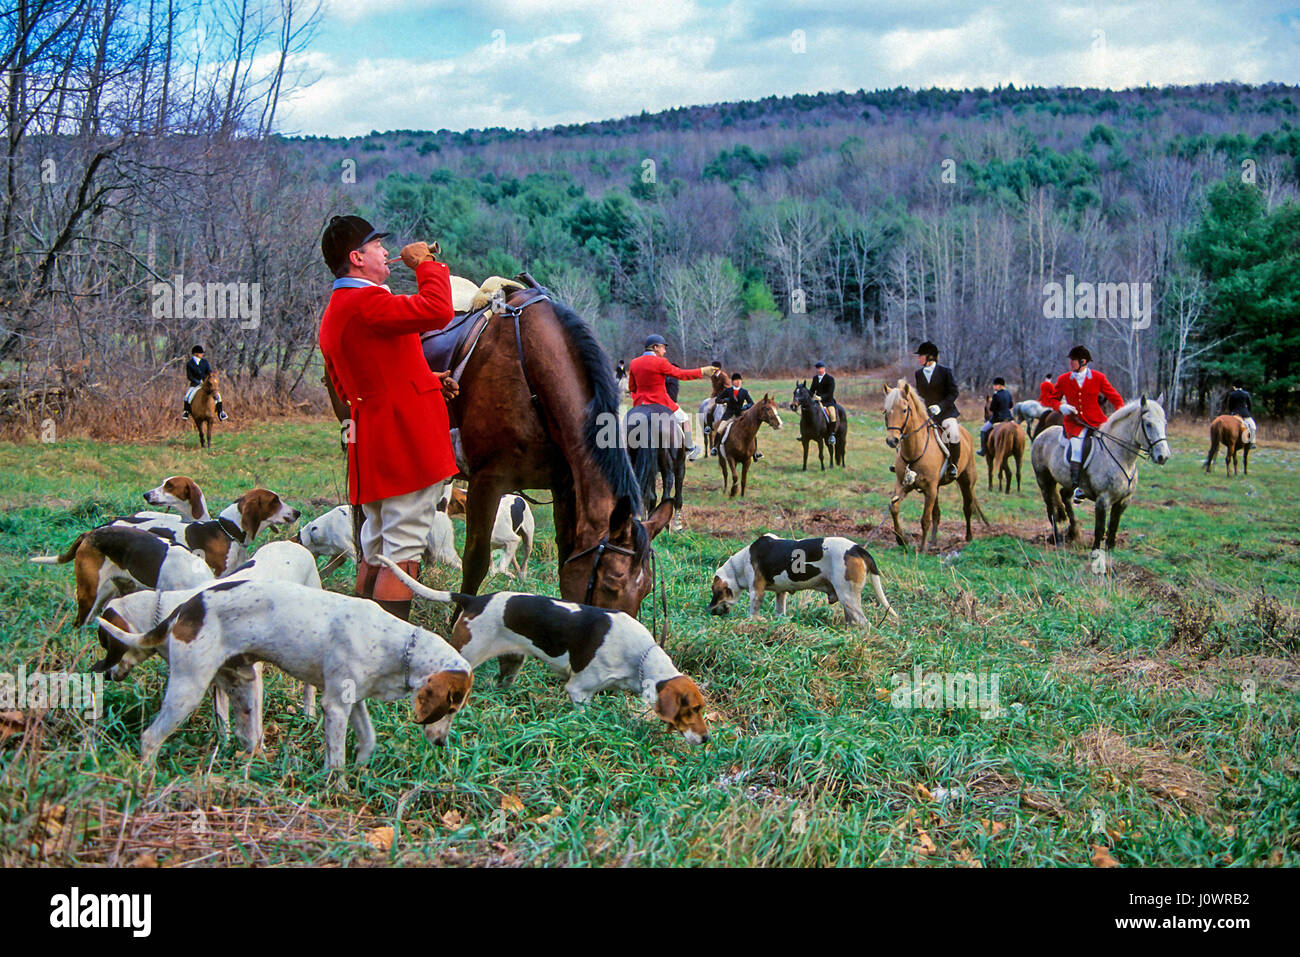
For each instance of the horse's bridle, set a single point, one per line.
(1149, 452)
(605, 545)
(903, 434)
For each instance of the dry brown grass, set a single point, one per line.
(1156, 770)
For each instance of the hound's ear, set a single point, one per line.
(659, 519)
(196, 499)
(669, 702)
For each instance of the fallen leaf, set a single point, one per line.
(993, 827)
(1230, 830)
(1027, 644)
(884, 694)
(145, 860)
(381, 838)
(550, 815)
(452, 819)
(927, 846)
(510, 802)
(923, 793)
(1101, 857)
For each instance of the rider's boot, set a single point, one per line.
(1075, 469)
(186, 413)
(954, 456)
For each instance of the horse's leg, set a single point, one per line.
(1245, 461)
(1116, 510)
(1214, 448)
(927, 514)
(805, 454)
(935, 513)
(1019, 460)
(1099, 526)
(895, 500)
(679, 479)
(968, 502)
(821, 453)
(744, 474)
(480, 515)
(1072, 533)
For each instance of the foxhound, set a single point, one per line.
(181, 493)
(514, 524)
(330, 536)
(142, 610)
(111, 559)
(836, 566)
(223, 542)
(594, 648)
(348, 647)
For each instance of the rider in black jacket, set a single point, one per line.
(735, 401)
(999, 411)
(1238, 403)
(823, 387)
(938, 389)
(196, 370)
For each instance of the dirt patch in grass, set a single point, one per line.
(1167, 778)
(799, 523)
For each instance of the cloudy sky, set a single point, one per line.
(429, 64)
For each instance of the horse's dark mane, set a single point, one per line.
(613, 463)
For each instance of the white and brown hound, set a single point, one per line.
(224, 541)
(181, 493)
(594, 648)
(837, 566)
(141, 610)
(112, 559)
(348, 647)
(514, 525)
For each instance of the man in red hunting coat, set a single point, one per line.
(1077, 395)
(399, 445)
(645, 380)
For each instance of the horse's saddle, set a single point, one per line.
(660, 415)
(443, 347)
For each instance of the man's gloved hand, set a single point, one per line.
(415, 253)
(450, 387)
(934, 410)
(1066, 408)
(708, 370)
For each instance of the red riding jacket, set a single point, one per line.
(370, 339)
(645, 379)
(1085, 399)
(1045, 392)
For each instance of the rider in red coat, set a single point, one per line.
(399, 448)
(645, 380)
(1077, 395)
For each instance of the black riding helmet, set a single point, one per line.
(928, 349)
(1080, 354)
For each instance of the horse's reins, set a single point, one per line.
(1137, 450)
(605, 545)
(904, 435)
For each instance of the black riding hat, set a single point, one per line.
(196, 350)
(343, 235)
(1080, 354)
(927, 349)
(655, 340)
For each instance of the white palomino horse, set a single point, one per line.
(1109, 475)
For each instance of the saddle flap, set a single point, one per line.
(440, 347)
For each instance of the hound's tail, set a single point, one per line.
(67, 556)
(876, 584)
(423, 591)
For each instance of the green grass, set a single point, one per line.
(1153, 713)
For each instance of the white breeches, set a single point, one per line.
(950, 431)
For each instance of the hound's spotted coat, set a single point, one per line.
(514, 525)
(181, 493)
(330, 536)
(836, 566)
(348, 647)
(111, 559)
(594, 648)
(140, 611)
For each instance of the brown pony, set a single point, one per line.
(548, 419)
(920, 463)
(1228, 431)
(1006, 441)
(203, 407)
(739, 445)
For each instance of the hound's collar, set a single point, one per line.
(640, 665)
(231, 529)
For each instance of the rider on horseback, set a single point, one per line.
(938, 389)
(1077, 395)
(645, 380)
(735, 401)
(1000, 404)
(1238, 403)
(196, 370)
(823, 387)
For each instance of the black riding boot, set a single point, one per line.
(186, 413)
(830, 439)
(984, 442)
(1075, 469)
(220, 415)
(954, 456)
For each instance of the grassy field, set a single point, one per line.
(1149, 718)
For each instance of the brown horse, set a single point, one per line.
(739, 443)
(538, 409)
(203, 407)
(1006, 441)
(1228, 431)
(711, 409)
(921, 464)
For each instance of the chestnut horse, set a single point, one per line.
(1006, 442)
(737, 445)
(538, 409)
(921, 464)
(203, 408)
(1228, 431)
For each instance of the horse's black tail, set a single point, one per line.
(358, 519)
(645, 466)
